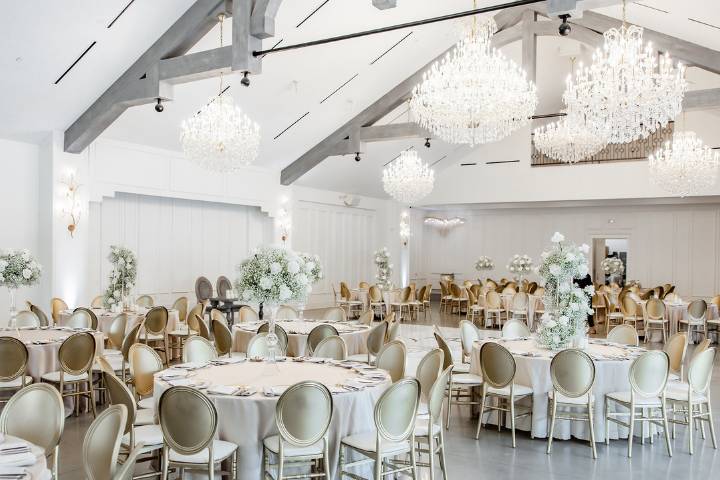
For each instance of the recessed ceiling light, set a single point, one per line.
(611, 220)
(18, 59)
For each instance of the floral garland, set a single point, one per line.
(384, 269)
(520, 265)
(567, 306)
(273, 275)
(612, 266)
(18, 268)
(313, 268)
(122, 276)
(484, 263)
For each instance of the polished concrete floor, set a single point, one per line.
(493, 457)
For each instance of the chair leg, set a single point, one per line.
(443, 464)
(378, 467)
(666, 429)
(449, 406)
(413, 455)
(591, 421)
(690, 430)
(553, 411)
(480, 418)
(431, 455)
(712, 426)
(607, 424)
(632, 430)
(512, 420)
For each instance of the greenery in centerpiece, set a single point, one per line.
(520, 265)
(484, 263)
(18, 268)
(122, 276)
(384, 269)
(274, 275)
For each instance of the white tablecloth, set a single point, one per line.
(246, 421)
(39, 470)
(106, 317)
(355, 336)
(674, 312)
(534, 372)
(532, 302)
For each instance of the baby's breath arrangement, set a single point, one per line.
(384, 269)
(313, 268)
(18, 268)
(274, 275)
(122, 277)
(484, 263)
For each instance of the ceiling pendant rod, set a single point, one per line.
(443, 18)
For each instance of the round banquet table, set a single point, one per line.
(247, 420)
(105, 318)
(674, 312)
(355, 336)
(612, 365)
(36, 471)
(43, 345)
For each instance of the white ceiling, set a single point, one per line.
(38, 49)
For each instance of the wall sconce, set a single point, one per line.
(72, 205)
(404, 228)
(284, 223)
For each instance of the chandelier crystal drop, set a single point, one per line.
(626, 93)
(684, 167)
(567, 140)
(220, 137)
(408, 179)
(474, 95)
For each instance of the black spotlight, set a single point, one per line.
(357, 156)
(245, 82)
(565, 27)
(427, 142)
(159, 106)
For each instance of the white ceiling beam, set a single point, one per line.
(529, 44)
(393, 131)
(244, 43)
(262, 20)
(701, 99)
(195, 66)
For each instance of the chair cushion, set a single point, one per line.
(367, 442)
(678, 391)
(55, 377)
(148, 403)
(17, 383)
(152, 337)
(358, 357)
(182, 333)
(145, 416)
(271, 443)
(115, 361)
(150, 435)
(221, 451)
(518, 390)
(581, 400)
(466, 379)
(109, 352)
(460, 368)
(421, 427)
(624, 397)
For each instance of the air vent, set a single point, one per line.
(502, 161)
(650, 7)
(120, 14)
(291, 125)
(312, 13)
(75, 62)
(338, 88)
(468, 164)
(704, 23)
(393, 46)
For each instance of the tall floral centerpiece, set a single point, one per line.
(18, 268)
(122, 277)
(612, 266)
(520, 266)
(384, 269)
(314, 271)
(271, 276)
(484, 263)
(566, 305)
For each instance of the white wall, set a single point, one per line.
(19, 210)
(176, 241)
(677, 244)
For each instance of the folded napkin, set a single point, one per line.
(275, 391)
(183, 382)
(223, 390)
(316, 360)
(26, 459)
(191, 365)
(13, 473)
(173, 373)
(354, 385)
(335, 389)
(228, 360)
(18, 446)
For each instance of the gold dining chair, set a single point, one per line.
(676, 348)
(98, 302)
(94, 323)
(247, 314)
(156, 331)
(318, 334)
(223, 338)
(13, 366)
(376, 300)
(198, 350)
(392, 358)
(144, 364)
(57, 307)
(145, 301)
(333, 347)
(655, 318)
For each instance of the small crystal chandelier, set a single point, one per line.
(567, 140)
(474, 95)
(220, 137)
(626, 93)
(685, 166)
(407, 178)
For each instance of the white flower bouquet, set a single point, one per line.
(122, 276)
(567, 306)
(520, 265)
(384, 269)
(313, 268)
(484, 263)
(612, 266)
(18, 268)
(273, 275)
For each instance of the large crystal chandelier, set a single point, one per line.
(407, 178)
(685, 166)
(474, 95)
(626, 93)
(220, 137)
(567, 140)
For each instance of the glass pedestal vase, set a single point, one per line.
(13, 310)
(301, 312)
(272, 338)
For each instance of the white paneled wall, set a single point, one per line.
(667, 244)
(175, 241)
(343, 237)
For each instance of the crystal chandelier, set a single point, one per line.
(220, 137)
(685, 166)
(626, 93)
(408, 179)
(474, 95)
(567, 140)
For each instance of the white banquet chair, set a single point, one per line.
(648, 377)
(392, 358)
(198, 350)
(573, 376)
(676, 348)
(519, 305)
(655, 318)
(373, 344)
(515, 328)
(302, 417)
(189, 421)
(427, 373)
(26, 318)
(334, 314)
(332, 347)
(258, 346)
(393, 436)
(625, 335)
(468, 336)
(696, 319)
(493, 309)
(428, 428)
(692, 396)
(318, 334)
(286, 312)
(79, 319)
(498, 373)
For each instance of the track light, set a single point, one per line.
(245, 80)
(159, 106)
(565, 27)
(427, 142)
(357, 156)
